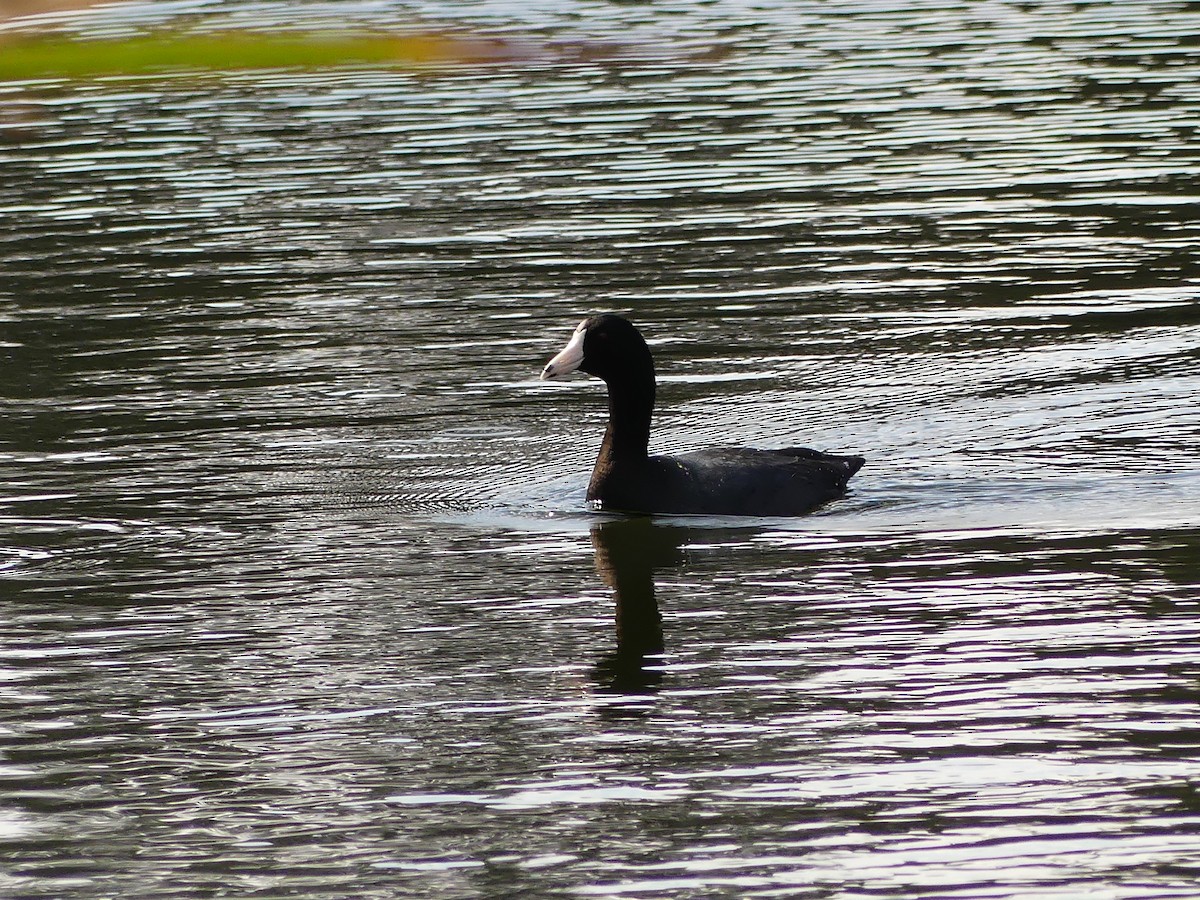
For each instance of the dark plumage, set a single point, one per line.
(728, 481)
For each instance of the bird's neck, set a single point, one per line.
(627, 439)
(630, 406)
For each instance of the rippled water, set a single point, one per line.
(300, 595)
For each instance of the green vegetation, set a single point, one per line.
(226, 51)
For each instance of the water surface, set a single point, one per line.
(301, 596)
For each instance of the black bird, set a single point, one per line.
(724, 481)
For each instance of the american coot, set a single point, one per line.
(726, 481)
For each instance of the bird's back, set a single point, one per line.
(728, 481)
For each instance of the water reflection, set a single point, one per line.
(628, 552)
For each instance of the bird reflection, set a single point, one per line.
(628, 551)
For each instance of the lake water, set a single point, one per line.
(300, 594)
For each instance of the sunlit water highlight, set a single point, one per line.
(301, 597)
